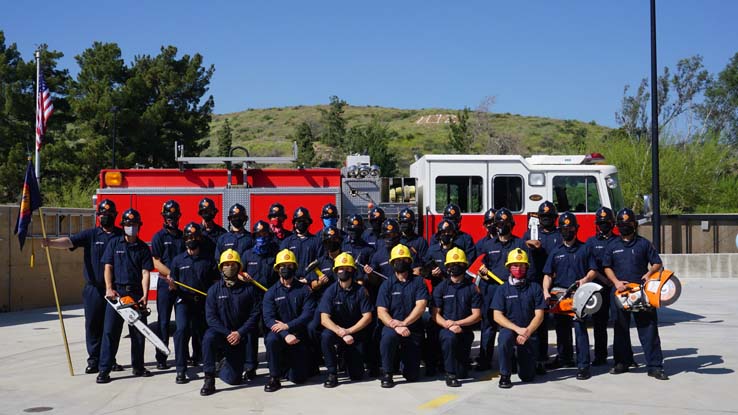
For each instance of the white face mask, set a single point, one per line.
(131, 230)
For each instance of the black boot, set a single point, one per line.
(91, 369)
(658, 374)
(249, 375)
(619, 368)
(387, 381)
(505, 382)
(273, 385)
(332, 381)
(103, 377)
(181, 378)
(116, 368)
(142, 373)
(208, 388)
(583, 374)
(452, 381)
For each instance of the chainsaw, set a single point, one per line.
(131, 312)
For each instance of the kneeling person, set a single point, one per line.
(456, 307)
(345, 311)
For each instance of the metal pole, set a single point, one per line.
(655, 136)
(38, 159)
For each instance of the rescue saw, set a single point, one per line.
(131, 312)
(576, 302)
(661, 290)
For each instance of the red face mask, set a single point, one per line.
(275, 225)
(518, 271)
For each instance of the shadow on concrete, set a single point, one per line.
(39, 315)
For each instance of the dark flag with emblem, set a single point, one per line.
(30, 201)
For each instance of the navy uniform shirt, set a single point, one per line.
(325, 265)
(596, 248)
(213, 233)
(482, 246)
(497, 255)
(380, 261)
(197, 271)
(437, 256)
(519, 302)
(261, 266)
(629, 260)
(128, 261)
(399, 298)
(418, 247)
(464, 241)
(569, 263)
(362, 253)
(166, 246)
(372, 238)
(238, 241)
(307, 249)
(292, 305)
(345, 307)
(455, 301)
(237, 308)
(94, 241)
(550, 240)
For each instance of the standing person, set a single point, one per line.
(569, 263)
(211, 231)
(410, 238)
(487, 287)
(94, 241)
(238, 238)
(306, 246)
(127, 262)
(518, 310)
(456, 308)
(329, 215)
(463, 240)
(401, 301)
(373, 235)
(232, 311)
(276, 218)
(355, 244)
(346, 314)
(627, 260)
(165, 245)
(196, 271)
(596, 247)
(288, 308)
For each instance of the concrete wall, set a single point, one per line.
(688, 234)
(24, 288)
(702, 265)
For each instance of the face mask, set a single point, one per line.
(456, 269)
(207, 216)
(237, 223)
(286, 273)
(604, 228)
(407, 228)
(518, 271)
(401, 266)
(172, 224)
(331, 246)
(568, 234)
(230, 271)
(626, 229)
(376, 226)
(107, 221)
(504, 229)
(329, 222)
(275, 222)
(491, 229)
(192, 244)
(445, 238)
(131, 230)
(302, 227)
(547, 222)
(391, 242)
(345, 275)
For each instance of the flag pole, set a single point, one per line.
(38, 160)
(53, 285)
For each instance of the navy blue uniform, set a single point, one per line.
(259, 264)
(198, 272)
(629, 261)
(362, 253)
(436, 257)
(418, 247)
(94, 241)
(165, 246)
(518, 303)
(294, 306)
(345, 307)
(372, 238)
(566, 265)
(237, 241)
(210, 240)
(455, 301)
(399, 299)
(306, 248)
(495, 251)
(550, 240)
(128, 261)
(229, 309)
(464, 241)
(596, 247)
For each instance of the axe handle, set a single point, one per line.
(495, 277)
(253, 281)
(190, 288)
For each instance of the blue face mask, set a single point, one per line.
(261, 248)
(329, 222)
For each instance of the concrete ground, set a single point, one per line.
(699, 337)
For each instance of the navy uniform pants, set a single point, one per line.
(431, 348)
(190, 318)
(353, 354)
(565, 351)
(488, 326)
(542, 335)
(526, 354)
(600, 320)
(409, 349)
(95, 305)
(214, 344)
(283, 357)
(648, 333)
(113, 327)
(456, 349)
(164, 304)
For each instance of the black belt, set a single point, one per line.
(129, 288)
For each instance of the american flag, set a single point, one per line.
(44, 110)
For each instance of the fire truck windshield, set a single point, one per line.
(615, 192)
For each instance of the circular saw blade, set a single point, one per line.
(671, 290)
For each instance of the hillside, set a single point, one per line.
(265, 132)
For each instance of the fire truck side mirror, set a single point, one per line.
(647, 206)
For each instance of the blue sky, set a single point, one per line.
(561, 59)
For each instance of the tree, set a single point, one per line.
(374, 139)
(334, 125)
(305, 152)
(225, 140)
(460, 135)
(720, 109)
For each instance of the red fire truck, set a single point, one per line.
(578, 183)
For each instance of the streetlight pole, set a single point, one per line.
(114, 110)
(655, 137)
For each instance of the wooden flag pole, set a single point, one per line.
(56, 296)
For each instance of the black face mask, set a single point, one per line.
(401, 266)
(207, 216)
(302, 227)
(331, 246)
(192, 244)
(547, 221)
(604, 228)
(237, 223)
(173, 225)
(345, 275)
(353, 235)
(391, 242)
(445, 238)
(107, 221)
(286, 273)
(407, 228)
(376, 226)
(626, 229)
(568, 234)
(491, 229)
(505, 229)
(456, 269)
